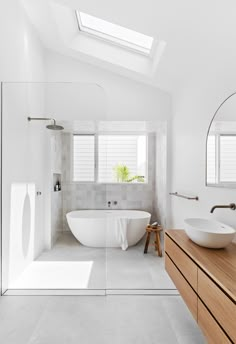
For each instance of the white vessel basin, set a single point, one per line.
(209, 233)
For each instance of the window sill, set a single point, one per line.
(107, 183)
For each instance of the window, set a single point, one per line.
(221, 159)
(211, 159)
(227, 158)
(115, 34)
(119, 158)
(83, 158)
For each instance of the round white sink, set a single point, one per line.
(209, 233)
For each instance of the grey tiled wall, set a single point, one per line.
(56, 197)
(95, 196)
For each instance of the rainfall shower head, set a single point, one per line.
(53, 126)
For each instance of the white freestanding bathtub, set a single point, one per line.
(94, 228)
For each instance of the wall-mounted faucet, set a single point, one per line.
(110, 203)
(231, 206)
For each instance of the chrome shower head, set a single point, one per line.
(53, 126)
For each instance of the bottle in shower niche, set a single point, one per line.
(57, 186)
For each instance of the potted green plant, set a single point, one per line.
(122, 175)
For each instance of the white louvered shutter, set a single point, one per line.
(128, 150)
(83, 158)
(211, 159)
(228, 158)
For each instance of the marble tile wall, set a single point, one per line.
(96, 196)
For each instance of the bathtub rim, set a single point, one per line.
(106, 212)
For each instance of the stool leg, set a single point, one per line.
(158, 241)
(147, 242)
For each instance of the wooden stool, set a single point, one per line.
(156, 230)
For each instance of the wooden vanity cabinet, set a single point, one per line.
(187, 293)
(210, 327)
(206, 280)
(187, 267)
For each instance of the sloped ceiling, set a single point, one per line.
(199, 36)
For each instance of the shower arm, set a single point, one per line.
(42, 119)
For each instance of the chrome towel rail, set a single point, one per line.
(182, 196)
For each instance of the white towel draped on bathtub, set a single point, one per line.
(120, 227)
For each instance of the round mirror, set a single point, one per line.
(221, 146)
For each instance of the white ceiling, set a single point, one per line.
(200, 36)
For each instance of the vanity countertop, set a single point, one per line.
(219, 264)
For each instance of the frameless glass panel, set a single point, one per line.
(51, 238)
(78, 237)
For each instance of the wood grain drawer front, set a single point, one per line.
(209, 326)
(223, 309)
(187, 293)
(187, 267)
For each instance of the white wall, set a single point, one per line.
(126, 99)
(73, 101)
(21, 55)
(193, 109)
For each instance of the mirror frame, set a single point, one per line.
(229, 186)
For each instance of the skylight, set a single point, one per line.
(115, 34)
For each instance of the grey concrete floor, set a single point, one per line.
(96, 319)
(70, 265)
(133, 319)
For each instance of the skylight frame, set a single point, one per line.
(112, 39)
